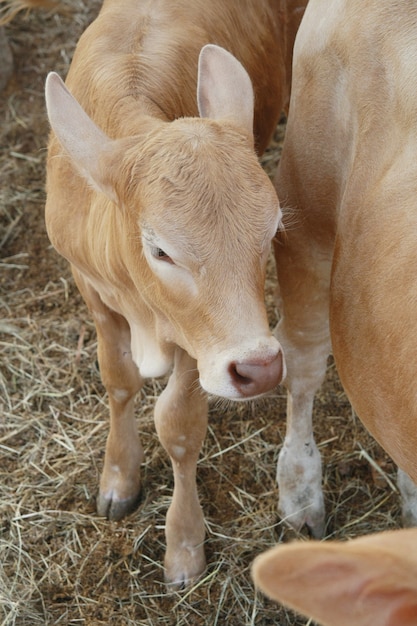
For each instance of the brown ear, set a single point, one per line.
(358, 583)
(224, 88)
(82, 140)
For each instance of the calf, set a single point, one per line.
(365, 582)
(156, 197)
(348, 174)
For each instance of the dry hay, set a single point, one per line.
(59, 562)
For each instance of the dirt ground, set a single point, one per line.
(59, 562)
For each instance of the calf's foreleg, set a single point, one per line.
(181, 424)
(120, 480)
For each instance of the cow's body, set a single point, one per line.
(368, 581)
(349, 176)
(167, 218)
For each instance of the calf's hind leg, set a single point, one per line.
(120, 480)
(181, 423)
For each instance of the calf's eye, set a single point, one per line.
(159, 254)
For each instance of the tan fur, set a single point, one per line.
(156, 197)
(364, 582)
(349, 175)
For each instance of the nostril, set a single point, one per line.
(255, 377)
(240, 374)
(236, 372)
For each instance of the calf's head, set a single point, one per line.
(199, 215)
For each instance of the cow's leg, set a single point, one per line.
(408, 490)
(181, 423)
(120, 480)
(303, 332)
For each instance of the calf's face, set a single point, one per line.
(199, 217)
(207, 216)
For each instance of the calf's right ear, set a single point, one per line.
(79, 136)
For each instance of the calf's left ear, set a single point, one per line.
(84, 142)
(224, 89)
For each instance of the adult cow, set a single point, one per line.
(348, 173)
(156, 197)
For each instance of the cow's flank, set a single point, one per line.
(347, 273)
